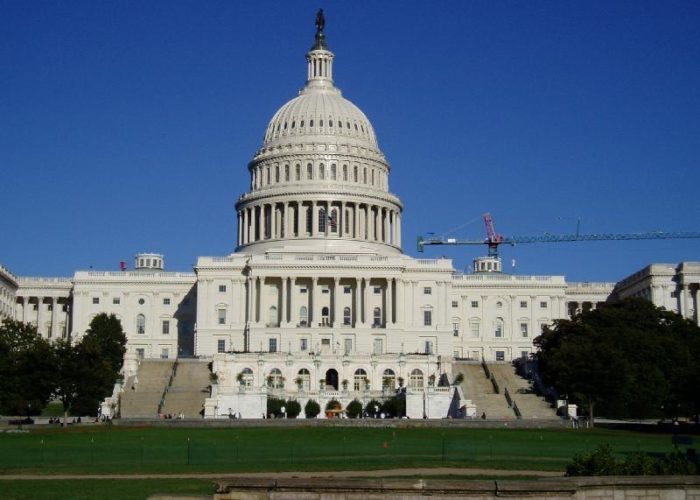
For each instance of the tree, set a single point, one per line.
(354, 409)
(373, 408)
(627, 359)
(26, 369)
(293, 408)
(311, 409)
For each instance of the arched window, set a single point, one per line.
(298, 172)
(277, 174)
(247, 377)
(364, 175)
(267, 175)
(304, 379)
(498, 328)
(325, 318)
(373, 177)
(377, 321)
(333, 220)
(309, 171)
(273, 319)
(322, 220)
(140, 323)
(359, 380)
(333, 172)
(275, 380)
(415, 381)
(345, 173)
(347, 316)
(321, 172)
(389, 379)
(286, 173)
(303, 316)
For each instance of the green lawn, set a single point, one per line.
(141, 450)
(105, 488)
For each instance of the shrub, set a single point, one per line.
(370, 408)
(274, 407)
(293, 408)
(312, 409)
(602, 463)
(333, 404)
(354, 409)
(394, 406)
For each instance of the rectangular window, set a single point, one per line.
(524, 354)
(377, 290)
(348, 346)
(347, 289)
(222, 316)
(221, 345)
(523, 304)
(427, 290)
(140, 353)
(499, 330)
(500, 356)
(302, 290)
(222, 288)
(325, 290)
(303, 344)
(523, 329)
(116, 301)
(95, 300)
(475, 303)
(166, 301)
(455, 303)
(326, 342)
(164, 353)
(427, 318)
(272, 343)
(428, 347)
(166, 327)
(474, 327)
(378, 346)
(455, 329)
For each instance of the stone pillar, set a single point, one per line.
(389, 302)
(314, 296)
(39, 314)
(357, 313)
(327, 222)
(25, 308)
(398, 229)
(273, 220)
(253, 300)
(286, 233)
(314, 219)
(385, 236)
(263, 315)
(365, 304)
(54, 317)
(293, 313)
(370, 223)
(400, 302)
(355, 221)
(283, 303)
(685, 306)
(334, 304)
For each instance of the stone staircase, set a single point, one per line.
(479, 389)
(529, 403)
(143, 391)
(189, 389)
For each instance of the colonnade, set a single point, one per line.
(294, 308)
(48, 309)
(314, 219)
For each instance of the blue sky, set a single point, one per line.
(126, 126)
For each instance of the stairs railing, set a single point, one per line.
(490, 376)
(173, 373)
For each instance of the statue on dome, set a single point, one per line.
(320, 21)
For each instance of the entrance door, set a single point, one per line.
(332, 378)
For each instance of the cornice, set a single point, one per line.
(278, 195)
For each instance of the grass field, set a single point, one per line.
(111, 450)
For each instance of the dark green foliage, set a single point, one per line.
(293, 408)
(274, 407)
(354, 409)
(395, 406)
(602, 462)
(373, 408)
(86, 371)
(311, 409)
(333, 404)
(26, 369)
(627, 360)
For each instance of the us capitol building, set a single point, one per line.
(318, 296)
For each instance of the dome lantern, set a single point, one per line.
(320, 58)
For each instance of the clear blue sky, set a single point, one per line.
(126, 126)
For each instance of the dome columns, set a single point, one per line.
(289, 220)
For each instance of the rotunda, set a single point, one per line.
(319, 178)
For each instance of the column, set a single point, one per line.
(314, 219)
(389, 301)
(398, 229)
(313, 317)
(341, 220)
(386, 225)
(25, 308)
(293, 313)
(400, 302)
(54, 316)
(39, 314)
(283, 305)
(327, 221)
(263, 315)
(253, 290)
(365, 304)
(357, 313)
(334, 304)
(273, 216)
(287, 232)
(685, 309)
(356, 222)
(370, 223)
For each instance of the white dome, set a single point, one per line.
(320, 114)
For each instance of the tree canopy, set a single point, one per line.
(630, 359)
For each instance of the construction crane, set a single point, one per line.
(494, 240)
